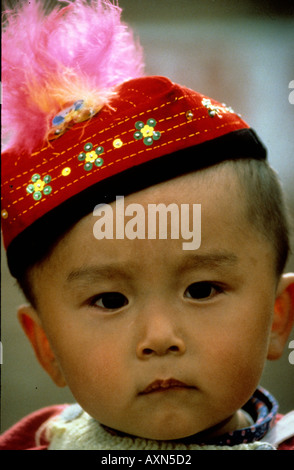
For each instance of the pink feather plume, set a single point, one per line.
(78, 52)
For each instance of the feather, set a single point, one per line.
(80, 51)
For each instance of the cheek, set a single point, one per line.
(235, 353)
(93, 366)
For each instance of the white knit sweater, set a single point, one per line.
(74, 429)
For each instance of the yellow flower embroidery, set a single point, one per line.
(39, 185)
(146, 131)
(91, 156)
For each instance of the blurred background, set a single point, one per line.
(240, 53)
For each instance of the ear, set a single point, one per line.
(283, 318)
(32, 326)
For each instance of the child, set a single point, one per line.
(149, 235)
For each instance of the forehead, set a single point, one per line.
(215, 191)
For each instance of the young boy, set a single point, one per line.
(150, 236)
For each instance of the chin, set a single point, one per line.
(168, 433)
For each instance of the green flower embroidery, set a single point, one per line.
(146, 131)
(39, 186)
(91, 157)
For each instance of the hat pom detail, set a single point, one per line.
(73, 54)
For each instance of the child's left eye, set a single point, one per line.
(109, 301)
(202, 290)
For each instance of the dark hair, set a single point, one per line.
(266, 206)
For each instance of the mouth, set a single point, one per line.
(165, 385)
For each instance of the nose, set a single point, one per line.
(159, 336)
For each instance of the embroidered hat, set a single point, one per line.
(106, 136)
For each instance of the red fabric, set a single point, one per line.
(289, 443)
(22, 435)
(178, 114)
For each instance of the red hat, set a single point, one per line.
(148, 131)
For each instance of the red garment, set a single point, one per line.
(22, 436)
(286, 445)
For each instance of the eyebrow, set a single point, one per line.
(120, 270)
(94, 273)
(209, 260)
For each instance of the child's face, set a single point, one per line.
(181, 346)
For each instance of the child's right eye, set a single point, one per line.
(109, 301)
(203, 290)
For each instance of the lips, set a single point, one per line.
(164, 385)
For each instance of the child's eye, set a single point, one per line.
(110, 300)
(202, 290)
